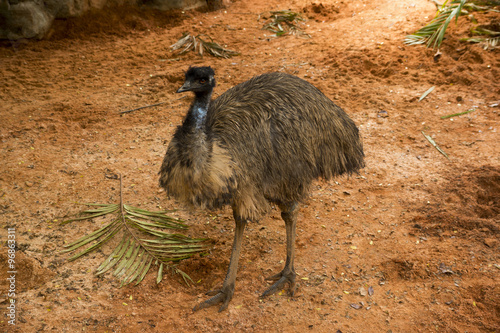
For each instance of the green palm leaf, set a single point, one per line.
(144, 239)
(433, 33)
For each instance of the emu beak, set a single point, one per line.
(185, 87)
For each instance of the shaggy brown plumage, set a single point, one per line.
(262, 141)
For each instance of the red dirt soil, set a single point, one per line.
(419, 231)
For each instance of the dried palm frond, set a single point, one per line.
(433, 33)
(284, 22)
(197, 44)
(143, 242)
(489, 43)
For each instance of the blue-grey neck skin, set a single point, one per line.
(200, 108)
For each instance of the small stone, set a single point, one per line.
(356, 306)
(445, 269)
(382, 114)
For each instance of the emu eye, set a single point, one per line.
(202, 81)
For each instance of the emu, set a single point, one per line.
(261, 142)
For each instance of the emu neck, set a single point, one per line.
(192, 138)
(200, 108)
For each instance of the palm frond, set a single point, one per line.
(433, 33)
(484, 31)
(488, 43)
(197, 44)
(491, 40)
(283, 22)
(143, 241)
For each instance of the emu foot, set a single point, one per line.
(224, 296)
(285, 276)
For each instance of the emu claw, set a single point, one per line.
(281, 279)
(223, 295)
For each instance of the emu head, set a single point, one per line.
(198, 80)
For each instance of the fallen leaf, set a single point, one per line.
(426, 93)
(356, 306)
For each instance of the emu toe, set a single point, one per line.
(224, 296)
(282, 278)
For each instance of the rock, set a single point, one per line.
(24, 20)
(99, 4)
(215, 4)
(66, 8)
(176, 4)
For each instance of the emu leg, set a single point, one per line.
(287, 275)
(225, 294)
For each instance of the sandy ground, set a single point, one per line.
(419, 231)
